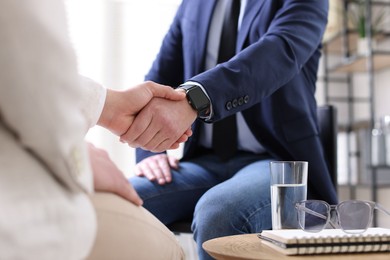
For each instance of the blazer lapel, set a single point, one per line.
(203, 25)
(252, 8)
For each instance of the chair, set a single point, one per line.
(327, 121)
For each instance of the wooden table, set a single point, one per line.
(249, 246)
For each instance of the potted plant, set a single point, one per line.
(357, 14)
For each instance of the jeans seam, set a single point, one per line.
(173, 191)
(254, 213)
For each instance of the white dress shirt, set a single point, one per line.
(246, 141)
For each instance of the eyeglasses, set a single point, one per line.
(352, 216)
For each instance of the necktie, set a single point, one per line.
(225, 130)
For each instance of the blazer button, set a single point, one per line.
(229, 105)
(240, 101)
(235, 103)
(246, 99)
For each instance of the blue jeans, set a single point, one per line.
(225, 198)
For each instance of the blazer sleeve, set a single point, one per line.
(292, 36)
(42, 97)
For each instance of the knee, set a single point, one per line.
(232, 217)
(261, 218)
(211, 213)
(143, 186)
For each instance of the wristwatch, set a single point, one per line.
(197, 99)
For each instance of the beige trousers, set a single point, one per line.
(126, 231)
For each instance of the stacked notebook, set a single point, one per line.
(299, 242)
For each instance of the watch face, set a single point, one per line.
(198, 98)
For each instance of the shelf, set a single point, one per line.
(342, 59)
(335, 44)
(380, 167)
(364, 185)
(334, 79)
(349, 99)
(353, 64)
(354, 126)
(373, 2)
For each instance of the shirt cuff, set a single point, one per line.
(94, 102)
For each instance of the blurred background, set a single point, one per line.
(116, 42)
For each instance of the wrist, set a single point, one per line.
(107, 113)
(188, 109)
(197, 99)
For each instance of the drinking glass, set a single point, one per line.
(288, 186)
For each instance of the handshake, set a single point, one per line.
(150, 116)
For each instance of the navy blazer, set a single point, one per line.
(271, 80)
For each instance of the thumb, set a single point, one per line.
(130, 194)
(167, 92)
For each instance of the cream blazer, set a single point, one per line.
(46, 108)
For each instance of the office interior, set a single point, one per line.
(118, 42)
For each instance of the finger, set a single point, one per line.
(140, 124)
(174, 146)
(165, 169)
(173, 162)
(153, 171)
(182, 139)
(148, 172)
(166, 92)
(157, 172)
(130, 194)
(138, 171)
(189, 132)
(160, 142)
(150, 137)
(151, 140)
(165, 145)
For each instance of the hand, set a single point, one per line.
(160, 124)
(108, 178)
(157, 167)
(121, 107)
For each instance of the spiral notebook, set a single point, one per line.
(328, 241)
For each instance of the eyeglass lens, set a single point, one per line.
(354, 216)
(315, 216)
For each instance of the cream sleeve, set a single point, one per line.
(43, 100)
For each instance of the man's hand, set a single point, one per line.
(108, 178)
(157, 168)
(160, 124)
(121, 107)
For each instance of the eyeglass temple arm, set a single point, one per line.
(300, 207)
(381, 208)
